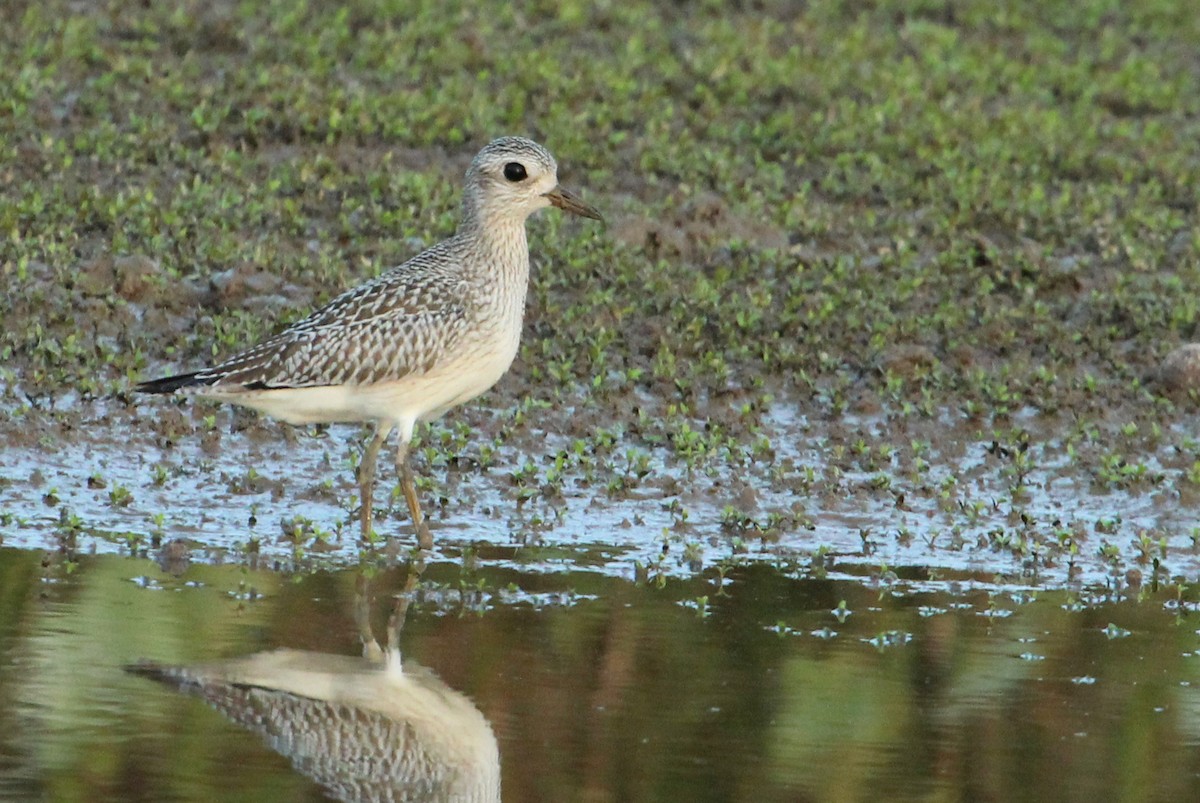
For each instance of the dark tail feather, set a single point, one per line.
(170, 675)
(151, 670)
(177, 677)
(170, 384)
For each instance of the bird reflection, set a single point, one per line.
(366, 729)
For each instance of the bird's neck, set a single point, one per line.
(498, 268)
(501, 239)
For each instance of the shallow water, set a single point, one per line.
(756, 686)
(877, 491)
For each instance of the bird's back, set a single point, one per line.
(432, 322)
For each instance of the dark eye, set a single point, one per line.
(515, 171)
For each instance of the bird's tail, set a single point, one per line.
(153, 670)
(170, 384)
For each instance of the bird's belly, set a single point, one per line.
(412, 398)
(470, 379)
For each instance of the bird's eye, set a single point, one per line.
(515, 171)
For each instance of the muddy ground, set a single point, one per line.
(885, 294)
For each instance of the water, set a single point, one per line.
(761, 684)
(878, 491)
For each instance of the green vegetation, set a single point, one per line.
(957, 238)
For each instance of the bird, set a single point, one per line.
(375, 727)
(416, 341)
(365, 729)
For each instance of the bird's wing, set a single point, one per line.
(378, 332)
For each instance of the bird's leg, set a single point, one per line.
(366, 478)
(400, 611)
(424, 538)
(362, 618)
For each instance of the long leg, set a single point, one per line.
(362, 618)
(366, 477)
(424, 538)
(400, 611)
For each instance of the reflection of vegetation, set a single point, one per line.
(79, 629)
(780, 692)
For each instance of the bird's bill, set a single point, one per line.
(570, 202)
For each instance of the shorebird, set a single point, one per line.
(364, 730)
(372, 728)
(416, 341)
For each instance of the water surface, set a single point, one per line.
(756, 685)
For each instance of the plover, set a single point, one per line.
(421, 338)
(373, 728)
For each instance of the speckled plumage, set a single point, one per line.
(365, 731)
(403, 322)
(421, 338)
